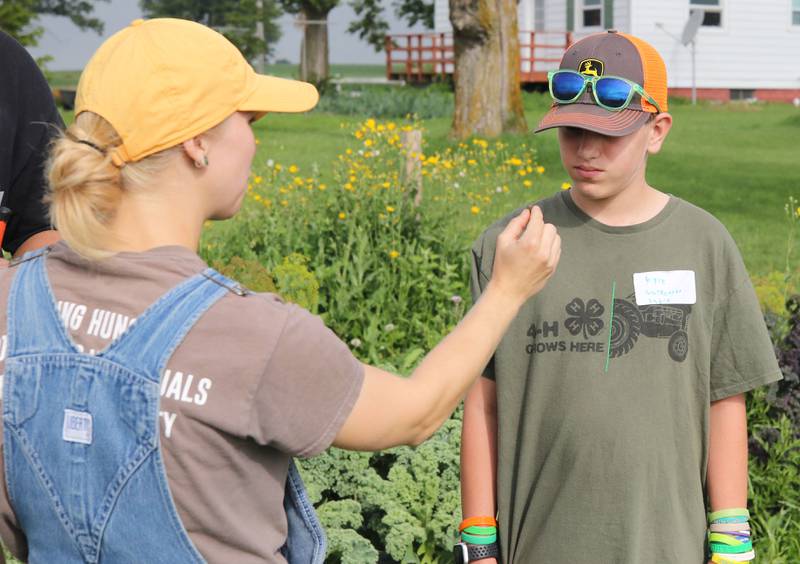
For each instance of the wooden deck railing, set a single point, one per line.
(422, 57)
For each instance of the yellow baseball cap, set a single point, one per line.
(160, 82)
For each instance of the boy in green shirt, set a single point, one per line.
(615, 403)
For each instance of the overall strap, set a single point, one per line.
(155, 334)
(34, 324)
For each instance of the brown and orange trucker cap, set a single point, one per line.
(160, 82)
(611, 53)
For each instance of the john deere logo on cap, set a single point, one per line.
(591, 67)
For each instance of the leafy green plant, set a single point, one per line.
(389, 101)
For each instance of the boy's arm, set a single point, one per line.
(727, 454)
(479, 453)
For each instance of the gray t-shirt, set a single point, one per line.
(255, 382)
(603, 412)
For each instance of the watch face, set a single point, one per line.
(460, 553)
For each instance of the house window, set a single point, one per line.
(592, 13)
(795, 12)
(743, 94)
(712, 11)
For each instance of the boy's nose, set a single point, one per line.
(589, 144)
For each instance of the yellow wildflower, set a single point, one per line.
(349, 151)
(385, 184)
(522, 172)
(475, 210)
(278, 167)
(370, 123)
(342, 215)
(393, 254)
(540, 169)
(359, 134)
(298, 181)
(368, 142)
(349, 187)
(433, 159)
(293, 169)
(257, 197)
(390, 126)
(390, 209)
(322, 187)
(258, 142)
(566, 186)
(284, 203)
(257, 179)
(472, 162)
(514, 161)
(527, 183)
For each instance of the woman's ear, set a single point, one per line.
(662, 123)
(196, 149)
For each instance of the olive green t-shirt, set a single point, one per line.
(604, 382)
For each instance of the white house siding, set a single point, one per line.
(756, 48)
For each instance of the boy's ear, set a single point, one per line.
(662, 123)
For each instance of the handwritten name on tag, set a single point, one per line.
(77, 427)
(665, 287)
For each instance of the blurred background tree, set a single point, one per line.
(251, 25)
(19, 18)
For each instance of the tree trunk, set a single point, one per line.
(486, 45)
(314, 66)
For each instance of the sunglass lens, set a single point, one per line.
(612, 92)
(566, 85)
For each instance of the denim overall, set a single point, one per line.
(83, 466)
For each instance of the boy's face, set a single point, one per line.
(602, 166)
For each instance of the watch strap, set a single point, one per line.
(478, 551)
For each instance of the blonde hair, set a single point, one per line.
(85, 187)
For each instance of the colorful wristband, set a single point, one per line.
(717, 548)
(482, 520)
(729, 527)
(733, 559)
(478, 539)
(737, 512)
(480, 530)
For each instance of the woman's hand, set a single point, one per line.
(527, 253)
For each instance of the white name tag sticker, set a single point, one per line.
(665, 287)
(77, 427)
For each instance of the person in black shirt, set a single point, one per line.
(28, 121)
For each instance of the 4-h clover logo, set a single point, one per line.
(584, 317)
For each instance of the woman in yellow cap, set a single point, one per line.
(152, 406)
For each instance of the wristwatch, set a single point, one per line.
(464, 553)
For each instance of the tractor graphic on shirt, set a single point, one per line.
(661, 321)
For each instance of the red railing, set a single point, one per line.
(421, 57)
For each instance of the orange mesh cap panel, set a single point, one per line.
(655, 73)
